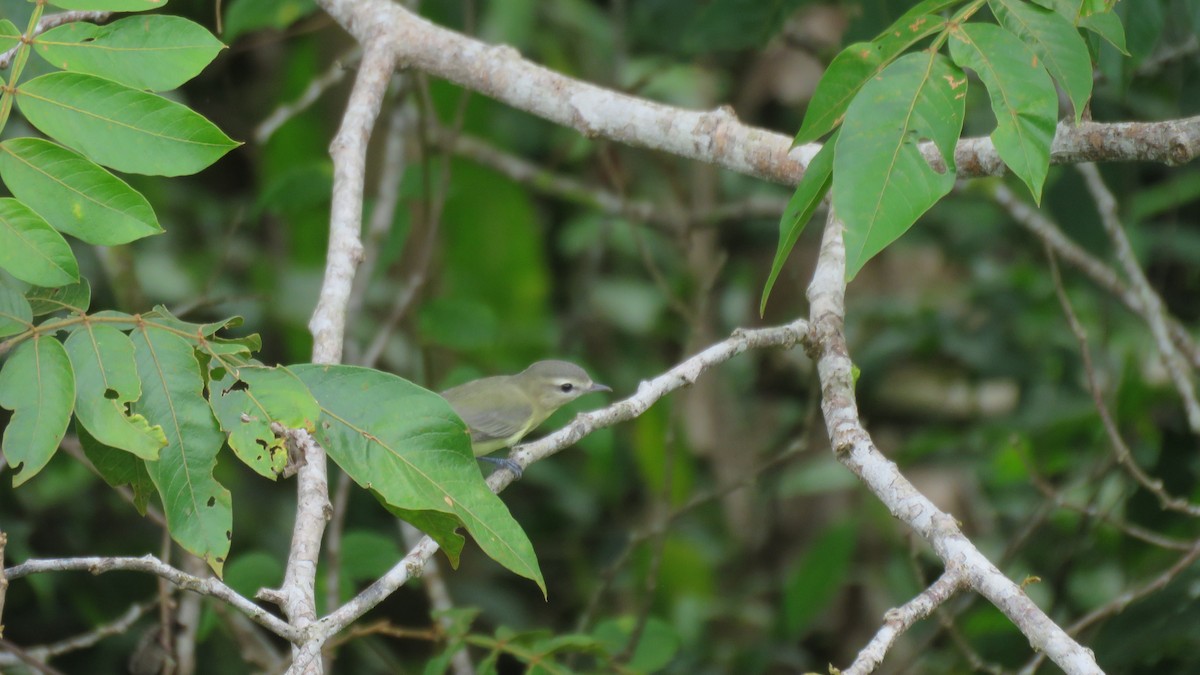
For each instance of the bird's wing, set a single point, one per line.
(490, 421)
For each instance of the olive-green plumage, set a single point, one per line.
(500, 410)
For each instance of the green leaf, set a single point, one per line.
(1023, 98)
(111, 5)
(107, 383)
(31, 250)
(198, 508)
(74, 194)
(36, 383)
(818, 577)
(117, 467)
(248, 399)
(16, 316)
(853, 67)
(881, 181)
(808, 195)
(74, 297)
(119, 127)
(155, 51)
(1108, 26)
(405, 443)
(1055, 41)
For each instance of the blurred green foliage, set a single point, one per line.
(787, 574)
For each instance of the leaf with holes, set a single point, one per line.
(198, 508)
(37, 384)
(107, 384)
(247, 399)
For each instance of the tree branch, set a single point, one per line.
(208, 586)
(854, 448)
(716, 136)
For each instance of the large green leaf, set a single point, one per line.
(31, 250)
(74, 194)
(155, 51)
(198, 508)
(37, 384)
(1022, 95)
(853, 67)
(881, 181)
(812, 188)
(1055, 41)
(247, 399)
(120, 127)
(107, 383)
(407, 445)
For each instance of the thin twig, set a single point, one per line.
(115, 627)
(897, 621)
(1154, 312)
(152, 565)
(1120, 448)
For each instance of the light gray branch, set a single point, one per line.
(205, 586)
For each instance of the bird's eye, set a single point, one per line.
(566, 387)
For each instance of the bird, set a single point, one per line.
(499, 411)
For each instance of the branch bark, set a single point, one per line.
(855, 449)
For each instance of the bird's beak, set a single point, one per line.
(599, 387)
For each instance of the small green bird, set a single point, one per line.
(500, 410)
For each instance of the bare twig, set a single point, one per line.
(855, 449)
(900, 619)
(151, 565)
(28, 659)
(1118, 604)
(1120, 448)
(1154, 313)
(1107, 278)
(115, 627)
(330, 78)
